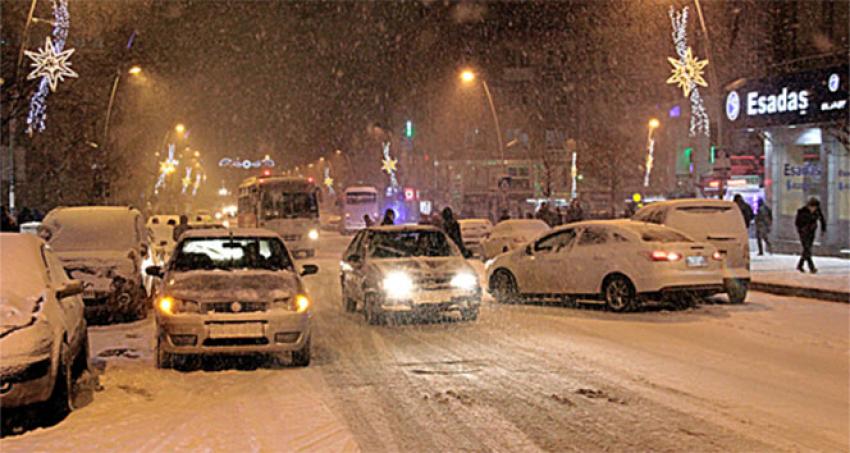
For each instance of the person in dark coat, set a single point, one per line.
(367, 220)
(7, 222)
(389, 217)
(764, 221)
(505, 215)
(574, 212)
(181, 228)
(746, 210)
(807, 225)
(452, 229)
(25, 216)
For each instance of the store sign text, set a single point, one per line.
(786, 101)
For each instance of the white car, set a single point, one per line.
(232, 291)
(717, 222)
(43, 341)
(473, 231)
(511, 234)
(407, 271)
(161, 228)
(616, 262)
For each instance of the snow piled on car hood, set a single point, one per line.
(18, 310)
(248, 285)
(98, 263)
(422, 265)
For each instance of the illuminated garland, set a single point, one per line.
(389, 165)
(246, 164)
(51, 64)
(166, 167)
(650, 158)
(329, 182)
(687, 72)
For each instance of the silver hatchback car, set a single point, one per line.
(232, 291)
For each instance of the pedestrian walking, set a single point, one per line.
(367, 220)
(807, 224)
(452, 229)
(389, 217)
(505, 215)
(746, 210)
(764, 221)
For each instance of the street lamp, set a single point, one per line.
(134, 70)
(650, 149)
(180, 128)
(467, 76)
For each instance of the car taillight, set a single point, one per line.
(662, 255)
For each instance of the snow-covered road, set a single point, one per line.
(768, 375)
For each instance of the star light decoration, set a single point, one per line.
(687, 72)
(329, 182)
(51, 64)
(166, 167)
(389, 166)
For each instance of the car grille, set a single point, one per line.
(235, 341)
(227, 307)
(291, 237)
(433, 283)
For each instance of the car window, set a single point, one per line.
(662, 235)
(593, 236)
(556, 242)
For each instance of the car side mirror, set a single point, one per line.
(154, 271)
(309, 269)
(71, 288)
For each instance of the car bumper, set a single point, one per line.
(434, 301)
(681, 280)
(274, 331)
(101, 303)
(25, 384)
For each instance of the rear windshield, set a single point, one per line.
(704, 221)
(663, 235)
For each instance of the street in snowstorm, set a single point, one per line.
(769, 375)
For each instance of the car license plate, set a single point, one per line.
(237, 330)
(696, 261)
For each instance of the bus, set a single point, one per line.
(357, 202)
(286, 205)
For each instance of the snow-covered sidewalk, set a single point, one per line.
(779, 274)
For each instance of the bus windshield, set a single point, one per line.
(289, 205)
(360, 197)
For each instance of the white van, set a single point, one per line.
(717, 222)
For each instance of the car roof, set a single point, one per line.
(689, 202)
(228, 232)
(403, 228)
(623, 223)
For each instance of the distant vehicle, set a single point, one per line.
(201, 218)
(357, 202)
(510, 234)
(105, 247)
(473, 232)
(232, 291)
(286, 205)
(616, 262)
(716, 222)
(43, 336)
(407, 270)
(171, 220)
(161, 228)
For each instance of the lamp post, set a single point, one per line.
(134, 71)
(650, 149)
(468, 76)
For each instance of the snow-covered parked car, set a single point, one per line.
(616, 262)
(473, 231)
(407, 270)
(43, 340)
(232, 291)
(717, 222)
(508, 235)
(106, 247)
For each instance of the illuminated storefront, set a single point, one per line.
(800, 121)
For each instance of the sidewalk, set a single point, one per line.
(778, 274)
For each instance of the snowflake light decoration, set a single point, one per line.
(687, 72)
(389, 166)
(51, 64)
(329, 182)
(187, 180)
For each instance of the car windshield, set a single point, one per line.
(231, 253)
(404, 244)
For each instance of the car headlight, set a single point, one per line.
(465, 280)
(313, 235)
(298, 303)
(169, 305)
(398, 285)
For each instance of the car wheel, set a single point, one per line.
(504, 287)
(301, 357)
(371, 311)
(163, 359)
(61, 400)
(470, 314)
(619, 293)
(736, 290)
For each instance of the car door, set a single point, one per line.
(590, 259)
(551, 256)
(72, 308)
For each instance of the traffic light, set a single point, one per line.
(408, 129)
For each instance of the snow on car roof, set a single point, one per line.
(21, 266)
(227, 232)
(691, 202)
(404, 228)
